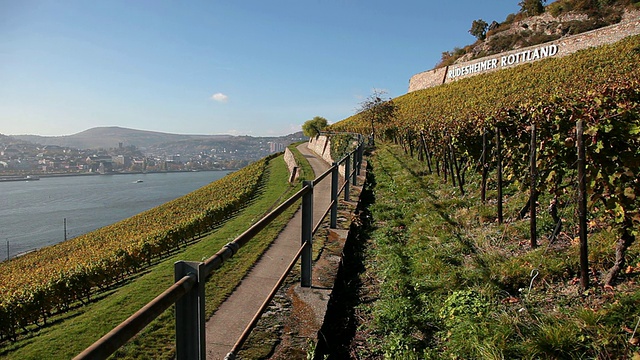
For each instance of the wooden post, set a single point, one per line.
(499, 169)
(347, 171)
(335, 176)
(410, 141)
(485, 169)
(532, 192)
(426, 151)
(451, 170)
(582, 208)
(445, 165)
(354, 179)
(457, 167)
(307, 236)
(189, 313)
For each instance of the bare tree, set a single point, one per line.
(376, 109)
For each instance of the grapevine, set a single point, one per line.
(600, 86)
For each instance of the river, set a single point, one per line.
(33, 213)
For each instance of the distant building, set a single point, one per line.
(9, 152)
(122, 160)
(275, 147)
(100, 163)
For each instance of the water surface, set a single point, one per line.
(32, 213)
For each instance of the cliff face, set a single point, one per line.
(518, 32)
(516, 55)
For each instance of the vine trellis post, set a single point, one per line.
(454, 159)
(426, 150)
(499, 170)
(532, 195)
(582, 206)
(483, 189)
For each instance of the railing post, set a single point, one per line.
(307, 235)
(347, 170)
(335, 176)
(355, 167)
(360, 153)
(190, 316)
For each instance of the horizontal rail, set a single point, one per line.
(263, 307)
(328, 172)
(324, 175)
(114, 339)
(117, 337)
(326, 212)
(341, 190)
(230, 249)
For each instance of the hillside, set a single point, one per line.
(105, 137)
(82, 311)
(24, 153)
(110, 137)
(448, 265)
(558, 19)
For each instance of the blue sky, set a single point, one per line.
(257, 68)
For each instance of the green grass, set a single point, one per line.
(456, 284)
(72, 332)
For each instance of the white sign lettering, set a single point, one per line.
(507, 60)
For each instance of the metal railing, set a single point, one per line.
(188, 290)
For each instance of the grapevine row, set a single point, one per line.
(50, 280)
(600, 87)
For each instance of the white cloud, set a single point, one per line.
(220, 97)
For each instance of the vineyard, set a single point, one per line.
(518, 128)
(454, 125)
(51, 280)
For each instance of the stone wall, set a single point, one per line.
(294, 170)
(428, 79)
(321, 145)
(558, 48)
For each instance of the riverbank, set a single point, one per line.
(33, 212)
(86, 324)
(31, 177)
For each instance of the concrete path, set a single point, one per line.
(226, 325)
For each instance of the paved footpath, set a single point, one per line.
(226, 325)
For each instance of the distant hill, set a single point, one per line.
(110, 137)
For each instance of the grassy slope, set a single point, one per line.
(450, 282)
(76, 330)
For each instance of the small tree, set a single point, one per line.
(479, 29)
(532, 7)
(377, 110)
(314, 126)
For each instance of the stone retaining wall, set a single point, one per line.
(321, 145)
(294, 170)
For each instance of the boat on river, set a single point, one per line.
(20, 178)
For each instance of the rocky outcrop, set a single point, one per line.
(515, 56)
